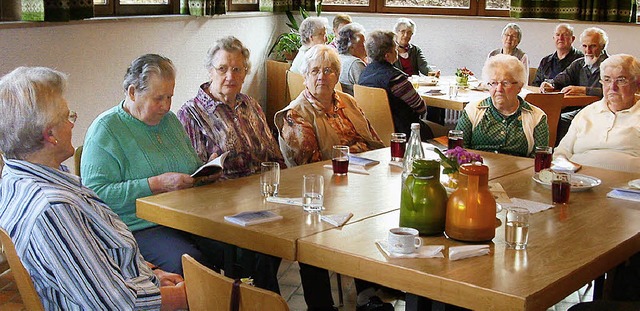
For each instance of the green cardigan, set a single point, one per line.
(120, 152)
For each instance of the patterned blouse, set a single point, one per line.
(215, 127)
(307, 146)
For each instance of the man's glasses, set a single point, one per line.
(326, 71)
(505, 84)
(620, 81)
(73, 116)
(222, 70)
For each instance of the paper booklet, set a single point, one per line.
(362, 161)
(252, 217)
(212, 167)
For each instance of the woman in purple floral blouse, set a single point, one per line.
(221, 119)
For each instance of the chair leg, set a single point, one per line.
(340, 294)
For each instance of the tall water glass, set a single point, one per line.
(313, 193)
(269, 178)
(398, 145)
(543, 158)
(516, 230)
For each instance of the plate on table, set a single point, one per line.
(428, 82)
(579, 182)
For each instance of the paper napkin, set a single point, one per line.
(624, 194)
(563, 164)
(532, 206)
(289, 201)
(337, 219)
(466, 251)
(425, 251)
(358, 169)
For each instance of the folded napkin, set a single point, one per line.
(562, 164)
(425, 251)
(289, 201)
(532, 206)
(466, 251)
(337, 219)
(359, 169)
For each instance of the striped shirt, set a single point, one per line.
(79, 254)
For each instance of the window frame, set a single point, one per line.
(242, 7)
(476, 8)
(114, 8)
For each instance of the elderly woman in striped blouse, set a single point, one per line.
(78, 252)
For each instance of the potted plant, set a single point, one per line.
(287, 45)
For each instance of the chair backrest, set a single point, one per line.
(375, 104)
(77, 156)
(28, 293)
(551, 104)
(295, 84)
(209, 290)
(532, 74)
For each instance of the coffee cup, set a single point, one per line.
(403, 240)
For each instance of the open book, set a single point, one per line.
(212, 167)
(252, 218)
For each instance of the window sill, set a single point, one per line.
(112, 19)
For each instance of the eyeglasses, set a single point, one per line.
(505, 84)
(234, 70)
(620, 81)
(325, 71)
(73, 116)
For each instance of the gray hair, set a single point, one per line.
(565, 26)
(604, 39)
(347, 37)
(310, 26)
(509, 64)
(405, 22)
(320, 52)
(515, 27)
(30, 101)
(143, 67)
(624, 61)
(229, 44)
(379, 43)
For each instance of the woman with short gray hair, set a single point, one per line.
(511, 37)
(350, 44)
(313, 31)
(411, 60)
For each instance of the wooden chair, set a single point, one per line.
(551, 104)
(375, 104)
(209, 290)
(77, 156)
(532, 74)
(295, 84)
(28, 293)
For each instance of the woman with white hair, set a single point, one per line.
(313, 31)
(607, 133)
(321, 117)
(78, 252)
(350, 45)
(511, 37)
(411, 60)
(504, 122)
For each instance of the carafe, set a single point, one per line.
(471, 209)
(423, 202)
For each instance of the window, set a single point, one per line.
(442, 7)
(135, 7)
(242, 5)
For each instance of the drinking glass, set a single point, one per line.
(269, 178)
(455, 139)
(398, 145)
(453, 90)
(340, 159)
(313, 193)
(516, 229)
(560, 188)
(543, 158)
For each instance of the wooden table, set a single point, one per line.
(465, 95)
(201, 210)
(568, 100)
(568, 247)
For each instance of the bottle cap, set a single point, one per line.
(415, 126)
(475, 168)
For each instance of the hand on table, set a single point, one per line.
(574, 90)
(546, 87)
(168, 278)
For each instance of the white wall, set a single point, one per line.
(96, 53)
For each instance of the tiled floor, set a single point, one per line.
(290, 289)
